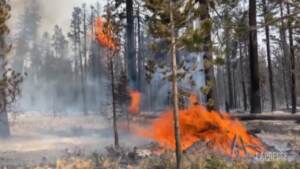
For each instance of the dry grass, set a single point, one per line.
(70, 164)
(76, 164)
(167, 161)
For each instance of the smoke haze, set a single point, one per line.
(53, 12)
(52, 84)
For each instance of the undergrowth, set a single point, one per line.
(167, 161)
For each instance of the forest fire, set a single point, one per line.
(134, 106)
(104, 34)
(219, 131)
(89, 84)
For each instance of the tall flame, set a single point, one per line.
(218, 130)
(104, 34)
(134, 106)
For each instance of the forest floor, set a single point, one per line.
(39, 139)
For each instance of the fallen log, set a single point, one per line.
(246, 117)
(281, 117)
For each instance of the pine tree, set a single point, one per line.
(59, 42)
(167, 20)
(240, 33)
(292, 61)
(267, 31)
(10, 80)
(228, 40)
(130, 44)
(284, 47)
(84, 34)
(255, 96)
(108, 36)
(211, 92)
(28, 33)
(140, 57)
(75, 36)
(4, 15)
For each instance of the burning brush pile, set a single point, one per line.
(199, 127)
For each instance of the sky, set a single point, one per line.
(52, 11)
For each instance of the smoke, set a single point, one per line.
(54, 12)
(50, 85)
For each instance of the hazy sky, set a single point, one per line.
(52, 11)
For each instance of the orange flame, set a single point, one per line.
(218, 130)
(104, 34)
(134, 107)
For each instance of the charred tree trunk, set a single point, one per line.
(254, 65)
(292, 65)
(130, 50)
(175, 89)
(273, 103)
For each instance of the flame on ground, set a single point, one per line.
(104, 34)
(218, 130)
(134, 106)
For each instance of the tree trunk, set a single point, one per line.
(254, 65)
(221, 87)
(130, 50)
(243, 83)
(83, 92)
(211, 96)
(84, 37)
(292, 64)
(82, 87)
(4, 125)
(285, 62)
(273, 103)
(140, 57)
(229, 72)
(285, 90)
(85, 59)
(280, 117)
(112, 74)
(175, 90)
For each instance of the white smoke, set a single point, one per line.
(53, 12)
